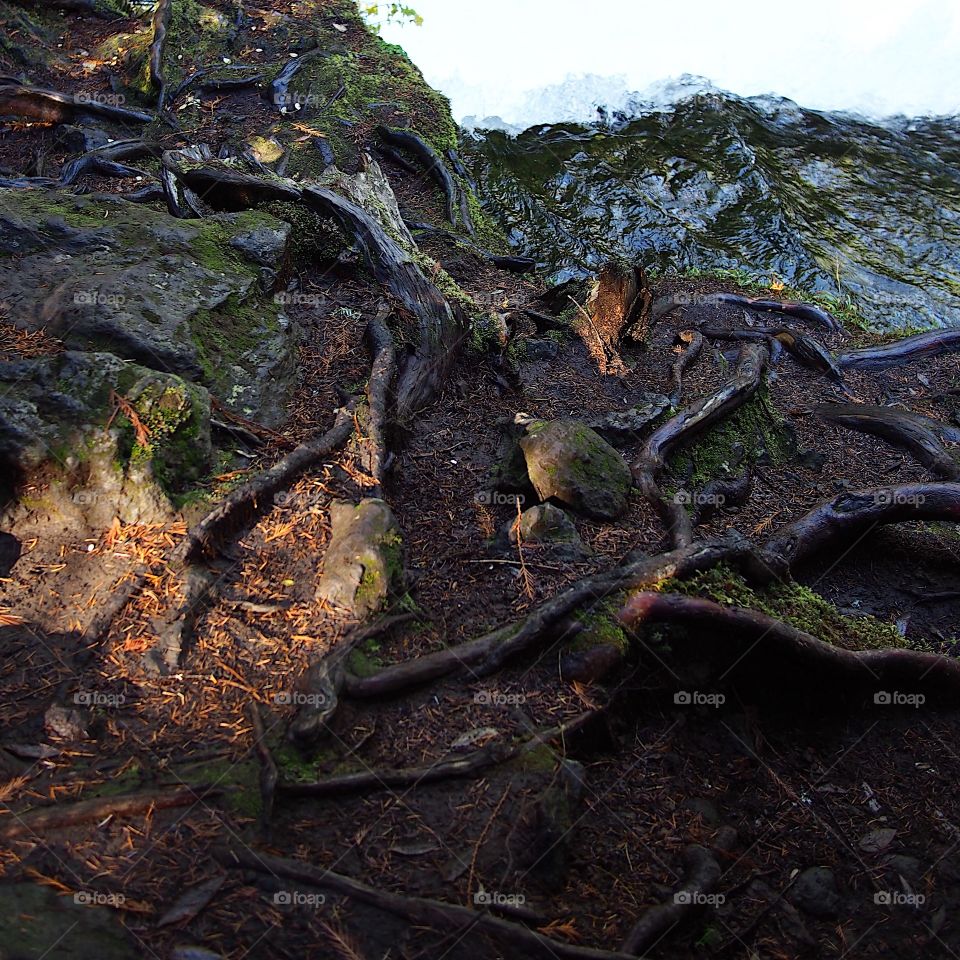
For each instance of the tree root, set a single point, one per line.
(690, 353)
(82, 811)
(935, 677)
(442, 326)
(268, 768)
(486, 654)
(103, 160)
(751, 364)
(434, 166)
(280, 88)
(899, 428)
(243, 503)
(418, 910)
(159, 24)
(382, 373)
(843, 519)
(50, 106)
(923, 345)
(511, 263)
(702, 875)
(790, 308)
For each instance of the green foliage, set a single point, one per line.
(377, 14)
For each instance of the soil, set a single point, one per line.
(805, 783)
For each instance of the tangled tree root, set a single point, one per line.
(751, 364)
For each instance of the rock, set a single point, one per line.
(267, 246)
(549, 526)
(54, 414)
(9, 553)
(541, 348)
(555, 817)
(37, 921)
(569, 462)
(364, 560)
(105, 275)
(705, 809)
(65, 723)
(815, 892)
(901, 865)
(626, 425)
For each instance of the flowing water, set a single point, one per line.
(824, 202)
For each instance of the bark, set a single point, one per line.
(51, 106)
(923, 345)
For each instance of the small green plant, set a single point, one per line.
(377, 14)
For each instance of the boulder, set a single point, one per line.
(569, 462)
(364, 562)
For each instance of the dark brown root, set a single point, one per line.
(751, 365)
(789, 308)
(690, 343)
(50, 106)
(458, 920)
(844, 519)
(823, 665)
(486, 654)
(382, 372)
(36, 822)
(160, 23)
(899, 428)
(702, 873)
(102, 159)
(268, 768)
(234, 190)
(923, 345)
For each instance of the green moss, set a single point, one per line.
(602, 626)
(240, 780)
(792, 603)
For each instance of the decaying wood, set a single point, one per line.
(60, 815)
(603, 321)
(522, 941)
(923, 345)
(751, 365)
(841, 521)
(702, 874)
(899, 428)
(749, 634)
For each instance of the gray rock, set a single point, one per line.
(102, 274)
(706, 809)
(268, 247)
(902, 865)
(363, 563)
(569, 462)
(621, 426)
(547, 525)
(815, 892)
(65, 723)
(36, 921)
(541, 348)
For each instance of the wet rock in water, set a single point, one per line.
(364, 561)
(37, 921)
(569, 462)
(174, 295)
(621, 426)
(815, 893)
(548, 526)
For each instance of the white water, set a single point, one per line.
(539, 61)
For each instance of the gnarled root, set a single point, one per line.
(751, 364)
(923, 345)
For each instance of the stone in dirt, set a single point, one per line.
(548, 526)
(815, 893)
(364, 561)
(569, 462)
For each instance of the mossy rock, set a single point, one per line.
(569, 462)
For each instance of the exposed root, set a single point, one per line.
(61, 815)
(789, 308)
(382, 372)
(268, 768)
(899, 428)
(103, 160)
(50, 106)
(418, 910)
(921, 346)
(751, 365)
(159, 24)
(702, 875)
(842, 520)
(752, 634)
(690, 347)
